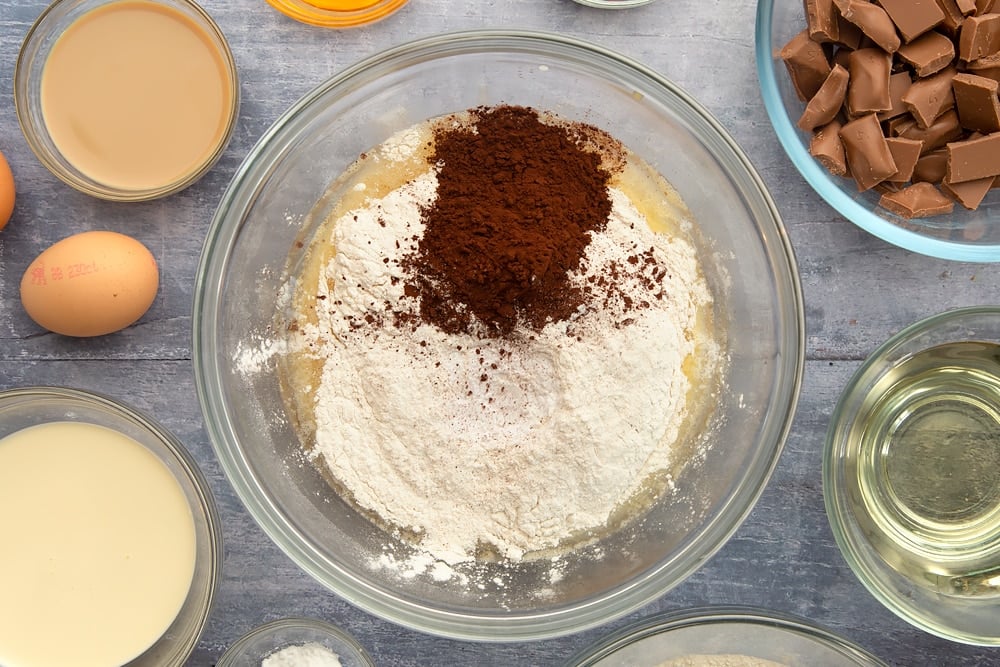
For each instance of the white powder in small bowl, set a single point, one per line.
(310, 654)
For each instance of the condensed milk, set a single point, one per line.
(99, 546)
(139, 94)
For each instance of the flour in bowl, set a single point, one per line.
(505, 337)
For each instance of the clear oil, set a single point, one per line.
(923, 469)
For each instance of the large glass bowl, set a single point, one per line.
(271, 210)
(968, 236)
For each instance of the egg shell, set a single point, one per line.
(6, 191)
(90, 284)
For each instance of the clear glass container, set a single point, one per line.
(28, 73)
(337, 13)
(282, 192)
(963, 235)
(30, 406)
(911, 474)
(251, 649)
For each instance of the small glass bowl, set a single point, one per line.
(337, 13)
(31, 60)
(614, 4)
(908, 426)
(252, 648)
(968, 236)
(30, 406)
(745, 631)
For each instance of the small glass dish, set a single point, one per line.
(614, 4)
(718, 631)
(911, 474)
(23, 408)
(337, 13)
(251, 649)
(963, 235)
(91, 171)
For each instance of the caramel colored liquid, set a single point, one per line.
(136, 96)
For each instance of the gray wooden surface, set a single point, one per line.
(858, 291)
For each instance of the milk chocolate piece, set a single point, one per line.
(917, 201)
(987, 66)
(913, 17)
(850, 34)
(821, 16)
(946, 128)
(985, 7)
(806, 63)
(973, 159)
(867, 153)
(969, 194)
(869, 89)
(929, 53)
(967, 7)
(900, 125)
(828, 149)
(977, 102)
(905, 153)
(979, 36)
(931, 96)
(826, 103)
(931, 167)
(953, 17)
(899, 83)
(873, 21)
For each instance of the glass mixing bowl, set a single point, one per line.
(281, 193)
(910, 475)
(662, 639)
(253, 648)
(26, 407)
(968, 236)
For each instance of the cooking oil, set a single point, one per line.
(923, 468)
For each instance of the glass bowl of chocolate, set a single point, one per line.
(498, 335)
(890, 112)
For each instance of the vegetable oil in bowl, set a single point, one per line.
(923, 468)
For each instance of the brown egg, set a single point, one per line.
(90, 284)
(6, 192)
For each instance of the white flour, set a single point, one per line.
(518, 445)
(723, 660)
(311, 654)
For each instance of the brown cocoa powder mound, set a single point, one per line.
(516, 204)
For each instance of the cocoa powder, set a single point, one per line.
(517, 202)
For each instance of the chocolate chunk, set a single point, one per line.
(988, 66)
(931, 96)
(827, 101)
(985, 7)
(967, 7)
(917, 201)
(850, 34)
(979, 36)
(867, 153)
(905, 153)
(821, 16)
(869, 89)
(900, 125)
(873, 21)
(828, 149)
(973, 159)
(953, 16)
(969, 194)
(946, 128)
(977, 102)
(929, 53)
(931, 167)
(899, 83)
(806, 63)
(913, 19)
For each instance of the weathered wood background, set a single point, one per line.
(858, 291)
